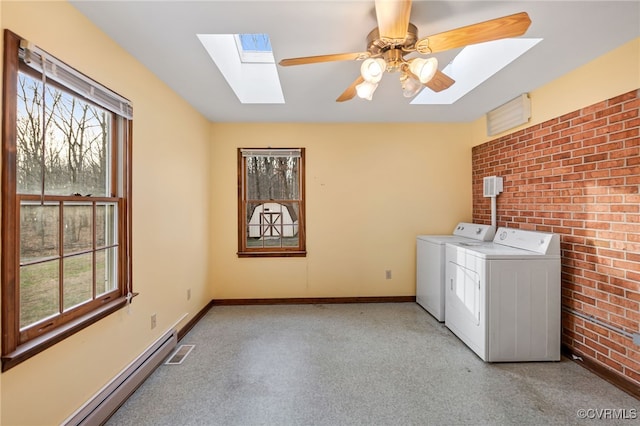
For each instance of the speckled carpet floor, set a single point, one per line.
(358, 364)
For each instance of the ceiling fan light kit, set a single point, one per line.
(365, 90)
(410, 85)
(395, 37)
(372, 69)
(423, 68)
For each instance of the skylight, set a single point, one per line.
(246, 61)
(254, 48)
(474, 65)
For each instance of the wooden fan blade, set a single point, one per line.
(324, 58)
(439, 82)
(393, 18)
(351, 91)
(494, 29)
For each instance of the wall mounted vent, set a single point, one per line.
(512, 114)
(492, 186)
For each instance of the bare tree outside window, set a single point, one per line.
(75, 143)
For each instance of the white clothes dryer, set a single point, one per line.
(430, 263)
(503, 298)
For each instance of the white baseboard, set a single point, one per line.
(104, 403)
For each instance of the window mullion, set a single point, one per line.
(93, 253)
(115, 157)
(281, 224)
(126, 218)
(43, 169)
(61, 259)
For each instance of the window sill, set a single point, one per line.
(40, 343)
(291, 253)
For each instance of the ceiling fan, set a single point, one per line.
(395, 37)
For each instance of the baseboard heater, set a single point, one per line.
(99, 408)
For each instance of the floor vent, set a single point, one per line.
(180, 354)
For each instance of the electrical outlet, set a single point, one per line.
(387, 274)
(188, 294)
(636, 339)
(153, 321)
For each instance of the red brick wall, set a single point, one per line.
(578, 175)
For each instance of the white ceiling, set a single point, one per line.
(162, 36)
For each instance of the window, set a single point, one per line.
(271, 219)
(66, 185)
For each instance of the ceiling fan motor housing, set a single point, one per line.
(377, 45)
(391, 50)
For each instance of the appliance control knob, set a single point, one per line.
(478, 231)
(503, 235)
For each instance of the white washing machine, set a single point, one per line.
(503, 298)
(430, 263)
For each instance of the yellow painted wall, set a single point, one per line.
(170, 222)
(371, 188)
(610, 75)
